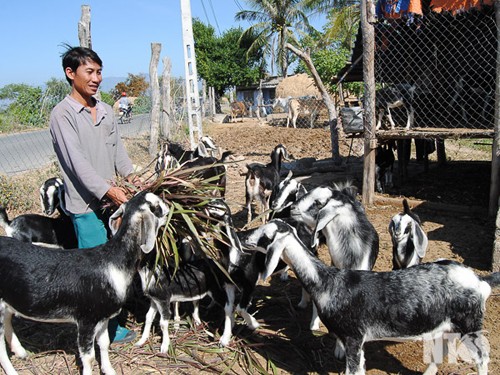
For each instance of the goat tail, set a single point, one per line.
(4, 219)
(492, 279)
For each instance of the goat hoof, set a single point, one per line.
(224, 341)
(164, 348)
(140, 343)
(21, 353)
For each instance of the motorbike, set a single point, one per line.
(125, 115)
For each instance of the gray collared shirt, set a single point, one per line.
(89, 154)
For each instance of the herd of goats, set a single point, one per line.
(89, 286)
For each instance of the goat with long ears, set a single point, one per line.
(86, 287)
(409, 241)
(421, 302)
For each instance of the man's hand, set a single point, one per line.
(116, 195)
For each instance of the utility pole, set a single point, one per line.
(192, 95)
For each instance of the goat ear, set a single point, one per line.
(274, 251)
(391, 227)
(301, 192)
(149, 226)
(325, 215)
(115, 220)
(289, 175)
(202, 150)
(420, 240)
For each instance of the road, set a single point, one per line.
(21, 152)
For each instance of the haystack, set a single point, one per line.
(296, 86)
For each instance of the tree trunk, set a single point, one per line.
(166, 99)
(84, 35)
(155, 98)
(332, 112)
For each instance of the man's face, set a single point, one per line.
(87, 78)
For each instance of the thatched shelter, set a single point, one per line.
(296, 86)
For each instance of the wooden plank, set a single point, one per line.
(435, 133)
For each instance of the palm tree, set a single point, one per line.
(344, 19)
(278, 22)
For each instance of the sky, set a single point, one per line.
(122, 32)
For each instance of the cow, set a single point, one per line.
(304, 106)
(238, 109)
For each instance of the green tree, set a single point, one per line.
(278, 22)
(343, 17)
(55, 91)
(223, 61)
(25, 108)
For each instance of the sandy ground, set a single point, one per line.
(457, 229)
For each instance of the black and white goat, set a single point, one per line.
(172, 153)
(191, 281)
(86, 287)
(399, 95)
(44, 230)
(209, 168)
(52, 196)
(288, 192)
(409, 241)
(420, 302)
(352, 241)
(261, 180)
(200, 276)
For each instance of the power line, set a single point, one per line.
(205, 11)
(238, 4)
(215, 17)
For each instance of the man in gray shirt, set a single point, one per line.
(90, 152)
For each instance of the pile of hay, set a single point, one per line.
(296, 86)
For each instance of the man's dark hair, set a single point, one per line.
(76, 56)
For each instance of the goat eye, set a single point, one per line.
(408, 228)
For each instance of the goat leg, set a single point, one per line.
(150, 315)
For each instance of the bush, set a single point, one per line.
(142, 105)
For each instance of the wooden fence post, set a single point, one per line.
(166, 99)
(370, 140)
(155, 98)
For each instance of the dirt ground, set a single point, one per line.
(451, 207)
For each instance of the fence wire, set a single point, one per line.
(450, 60)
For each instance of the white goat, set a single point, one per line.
(86, 287)
(420, 302)
(409, 241)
